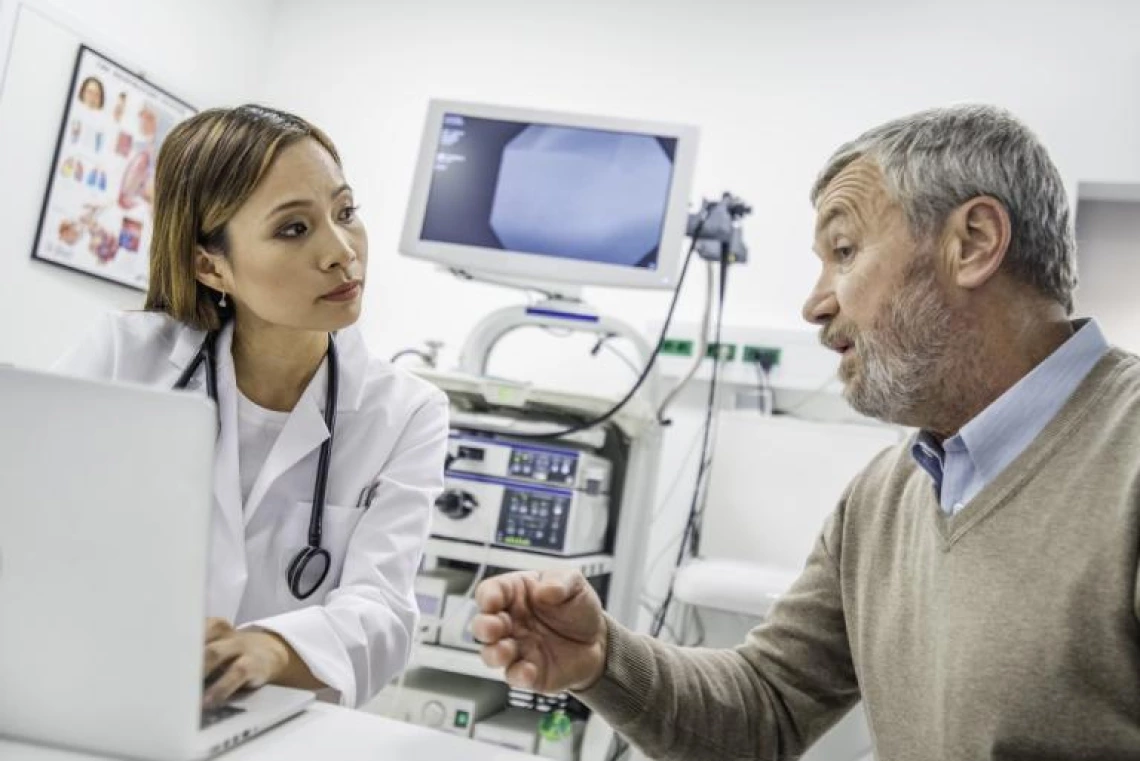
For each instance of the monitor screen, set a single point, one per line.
(587, 200)
(575, 193)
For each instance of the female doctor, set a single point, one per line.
(327, 460)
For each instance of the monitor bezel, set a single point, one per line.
(540, 268)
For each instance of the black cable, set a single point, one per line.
(668, 629)
(601, 340)
(707, 458)
(762, 378)
(644, 373)
(410, 352)
(691, 537)
(766, 396)
(618, 747)
(699, 505)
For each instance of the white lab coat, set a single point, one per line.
(355, 633)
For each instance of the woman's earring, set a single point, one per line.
(222, 300)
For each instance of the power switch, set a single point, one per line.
(472, 454)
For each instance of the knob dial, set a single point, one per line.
(433, 714)
(456, 503)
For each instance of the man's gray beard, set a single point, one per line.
(902, 360)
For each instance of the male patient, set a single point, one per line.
(977, 585)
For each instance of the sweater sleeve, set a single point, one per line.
(769, 698)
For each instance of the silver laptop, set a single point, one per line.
(105, 503)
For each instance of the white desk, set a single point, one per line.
(323, 732)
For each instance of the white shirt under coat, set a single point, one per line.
(355, 633)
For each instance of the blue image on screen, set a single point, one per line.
(585, 194)
(567, 192)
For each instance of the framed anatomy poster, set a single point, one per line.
(96, 215)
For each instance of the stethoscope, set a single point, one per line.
(311, 565)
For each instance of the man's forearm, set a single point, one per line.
(685, 703)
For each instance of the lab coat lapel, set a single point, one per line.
(227, 480)
(185, 349)
(227, 545)
(353, 358)
(304, 431)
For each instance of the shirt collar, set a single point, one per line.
(928, 453)
(1002, 431)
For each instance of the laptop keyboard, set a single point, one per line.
(212, 716)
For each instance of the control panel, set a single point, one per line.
(476, 453)
(548, 467)
(539, 497)
(534, 519)
(523, 516)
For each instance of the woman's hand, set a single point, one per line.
(237, 659)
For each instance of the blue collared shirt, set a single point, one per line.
(963, 464)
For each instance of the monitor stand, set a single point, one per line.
(554, 311)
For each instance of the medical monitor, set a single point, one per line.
(546, 197)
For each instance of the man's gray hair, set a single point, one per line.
(936, 160)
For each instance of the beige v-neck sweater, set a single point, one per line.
(1008, 631)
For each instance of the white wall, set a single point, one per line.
(208, 52)
(775, 86)
(1108, 236)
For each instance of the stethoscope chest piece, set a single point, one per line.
(308, 571)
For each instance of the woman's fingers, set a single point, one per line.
(237, 675)
(216, 628)
(219, 652)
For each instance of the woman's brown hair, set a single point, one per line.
(208, 167)
(93, 81)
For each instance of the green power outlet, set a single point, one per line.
(761, 355)
(677, 347)
(727, 351)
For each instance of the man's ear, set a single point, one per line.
(978, 232)
(212, 270)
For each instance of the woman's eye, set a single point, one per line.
(348, 213)
(843, 253)
(295, 230)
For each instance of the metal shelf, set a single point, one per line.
(502, 557)
(455, 661)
